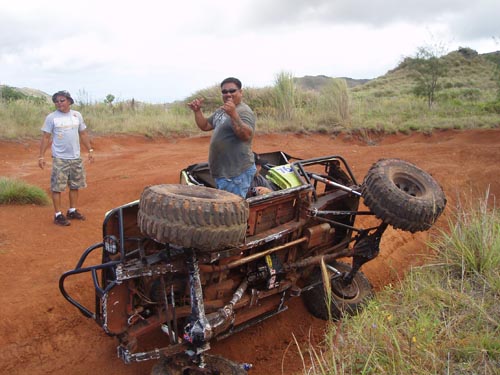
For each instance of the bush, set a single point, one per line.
(334, 102)
(467, 52)
(19, 192)
(492, 107)
(472, 245)
(10, 94)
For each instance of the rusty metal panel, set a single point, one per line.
(318, 234)
(272, 214)
(116, 309)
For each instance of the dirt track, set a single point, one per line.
(42, 334)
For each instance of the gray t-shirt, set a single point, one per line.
(65, 129)
(229, 156)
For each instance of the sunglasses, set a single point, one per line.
(230, 91)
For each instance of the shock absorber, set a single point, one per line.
(198, 330)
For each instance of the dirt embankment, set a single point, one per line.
(42, 334)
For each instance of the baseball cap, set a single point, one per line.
(64, 93)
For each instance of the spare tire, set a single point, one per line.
(403, 195)
(197, 217)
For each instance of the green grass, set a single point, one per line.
(14, 191)
(22, 118)
(443, 318)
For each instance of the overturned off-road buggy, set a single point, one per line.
(201, 264)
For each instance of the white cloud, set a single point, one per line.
(161, 51)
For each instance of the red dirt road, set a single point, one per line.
(42, 334)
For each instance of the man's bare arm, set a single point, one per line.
(199, 118)
(242, 130)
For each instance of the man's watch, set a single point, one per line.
(91, 150)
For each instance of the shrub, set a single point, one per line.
(467, 52)
(492, 107)
(10, 94)
(19, 192)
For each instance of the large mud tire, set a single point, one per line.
(346, 300)
(178, 365)
(403, 195)
(197, 217)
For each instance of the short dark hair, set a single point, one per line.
(236, 81)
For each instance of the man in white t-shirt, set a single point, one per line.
(66, 128)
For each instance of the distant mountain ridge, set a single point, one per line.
(34, 92)
(29, 91)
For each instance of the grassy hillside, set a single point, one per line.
(465, 96)
(8, 93)
(467, 77)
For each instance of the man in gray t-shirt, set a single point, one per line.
(230, 156)
(66, 128)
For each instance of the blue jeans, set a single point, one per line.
(238, 185)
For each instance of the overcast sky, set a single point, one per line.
(160, 51)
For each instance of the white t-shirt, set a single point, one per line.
(65, 129)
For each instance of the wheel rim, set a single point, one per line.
(344, 291)
(408, 185)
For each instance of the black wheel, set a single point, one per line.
(346, 299)
(198, 217)
(402, 195)
(179, 366)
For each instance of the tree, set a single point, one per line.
(109, 99)
(427, 67)
(11, 94)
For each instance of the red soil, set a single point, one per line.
(42, 334)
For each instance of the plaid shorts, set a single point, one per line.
(67, 172)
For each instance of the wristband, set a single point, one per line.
(41, 158)
(91, 150)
